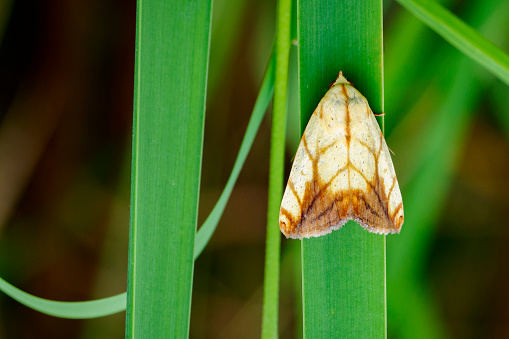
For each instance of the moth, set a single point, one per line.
(342, 171)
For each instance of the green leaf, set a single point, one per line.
(463, 37)
(70, 310)
(172, 46)
(343, 272)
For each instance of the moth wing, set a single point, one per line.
(342, 171)
(376, 198)
(308, 207)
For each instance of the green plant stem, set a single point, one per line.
(276, 173)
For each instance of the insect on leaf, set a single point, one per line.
(342, 171)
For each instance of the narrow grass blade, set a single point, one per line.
(70, 310)
(172, 46)
(262, 102)
(270, 317)
(463, 37)
(344, 272)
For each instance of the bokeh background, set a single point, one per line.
(66, 89)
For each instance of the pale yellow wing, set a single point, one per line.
(342, 171)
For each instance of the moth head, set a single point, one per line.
(341, 80)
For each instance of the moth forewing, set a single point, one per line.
(342, 171)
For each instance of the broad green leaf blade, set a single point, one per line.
(343, 272)
(172, 46)
(262, 102)
(463, 37)
(70, 310)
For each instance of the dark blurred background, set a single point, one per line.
(65, 149)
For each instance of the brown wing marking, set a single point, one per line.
(377, 201)
(294, 191)
(392, 187)
(348, 134)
